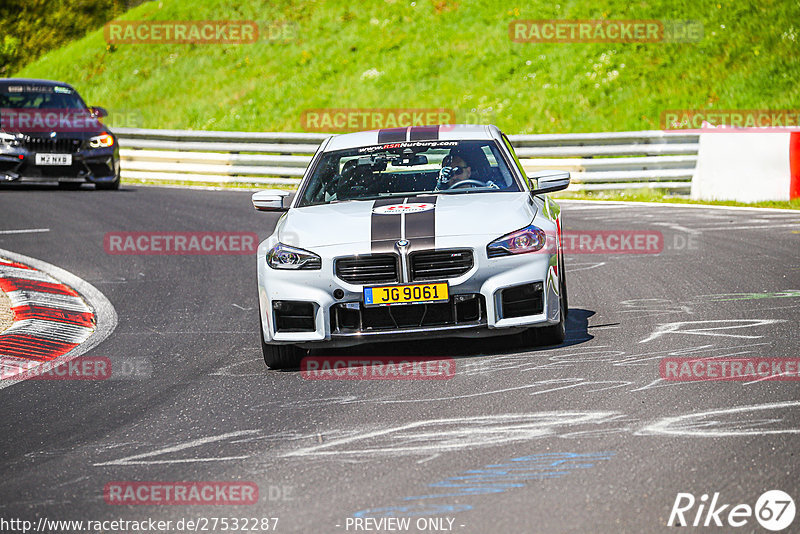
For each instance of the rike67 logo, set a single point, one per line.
(774, 510)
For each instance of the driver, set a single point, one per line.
(455, 168)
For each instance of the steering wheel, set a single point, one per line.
(469, 181)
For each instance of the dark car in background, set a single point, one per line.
(48, 134)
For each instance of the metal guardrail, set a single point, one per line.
(598, 161)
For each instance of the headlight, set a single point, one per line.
(528, 239)
(8, 140)
(101, 141)
(285, 257)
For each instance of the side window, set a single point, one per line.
(517, 162)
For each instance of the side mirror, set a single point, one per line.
(98, 112)
(549, 181)
(270, 200)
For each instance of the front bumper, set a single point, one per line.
(90, 165)
(479, 305)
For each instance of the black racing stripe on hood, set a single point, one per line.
(392, 135)
(420, 133)
(385, 230)
(421, 227)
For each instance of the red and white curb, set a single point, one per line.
(57, 316)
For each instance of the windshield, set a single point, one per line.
(40, 97)
(407, 169)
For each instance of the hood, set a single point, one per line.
(378, 224)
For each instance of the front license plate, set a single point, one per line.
(53, 159)
(406, 294)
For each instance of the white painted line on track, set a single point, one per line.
(104, 311)
(612, 203)
(25, 231)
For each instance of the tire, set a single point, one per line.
(557, 333)
(553, 334)
(281, 356)
(563, 281)
(107, 186)
(70, 186)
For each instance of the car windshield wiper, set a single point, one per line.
(468, 190)
(410, 194)
(392, 195)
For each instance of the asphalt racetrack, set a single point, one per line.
(585, 437)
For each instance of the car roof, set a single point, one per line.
(439, 132)
(33, 81)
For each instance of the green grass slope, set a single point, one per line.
(32, 27)
(441, 54)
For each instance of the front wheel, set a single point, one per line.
(555, 334)
(281, 356)
(563, 284)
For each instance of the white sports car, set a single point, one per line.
(405, 233)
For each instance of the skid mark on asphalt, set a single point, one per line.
(568, 359)
(647, 307)
(719, 297)
(652, 306)
(728, 422)
(254, 438)
(442, 435)
(447, 435)
(139, 459)
(709, 330)
(429, 438)
(547, 386)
